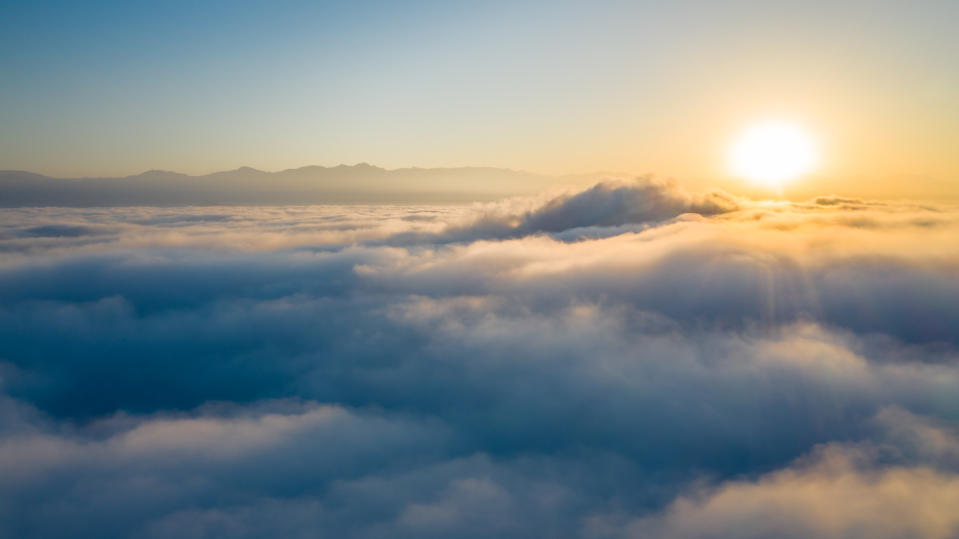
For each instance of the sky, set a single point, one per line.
(115, 88)
(669, 349)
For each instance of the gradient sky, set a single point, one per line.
(115, 88)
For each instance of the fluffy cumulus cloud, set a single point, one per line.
(629, 360)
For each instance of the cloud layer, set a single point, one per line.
(629, 360)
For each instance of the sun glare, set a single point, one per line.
(772, 154)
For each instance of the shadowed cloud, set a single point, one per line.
(624, 360)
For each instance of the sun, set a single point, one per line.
(773, 153)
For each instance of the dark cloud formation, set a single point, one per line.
(625, 361)
(608, 208)
(615, 203)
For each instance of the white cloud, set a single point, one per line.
(598, 363)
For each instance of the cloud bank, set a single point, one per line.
(629, 360)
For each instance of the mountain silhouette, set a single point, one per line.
(343, 184)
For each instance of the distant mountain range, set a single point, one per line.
(342, 184)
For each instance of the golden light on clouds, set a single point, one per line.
(773, 153)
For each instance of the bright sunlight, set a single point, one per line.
(771, 154)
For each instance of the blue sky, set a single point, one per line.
(99, 88)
